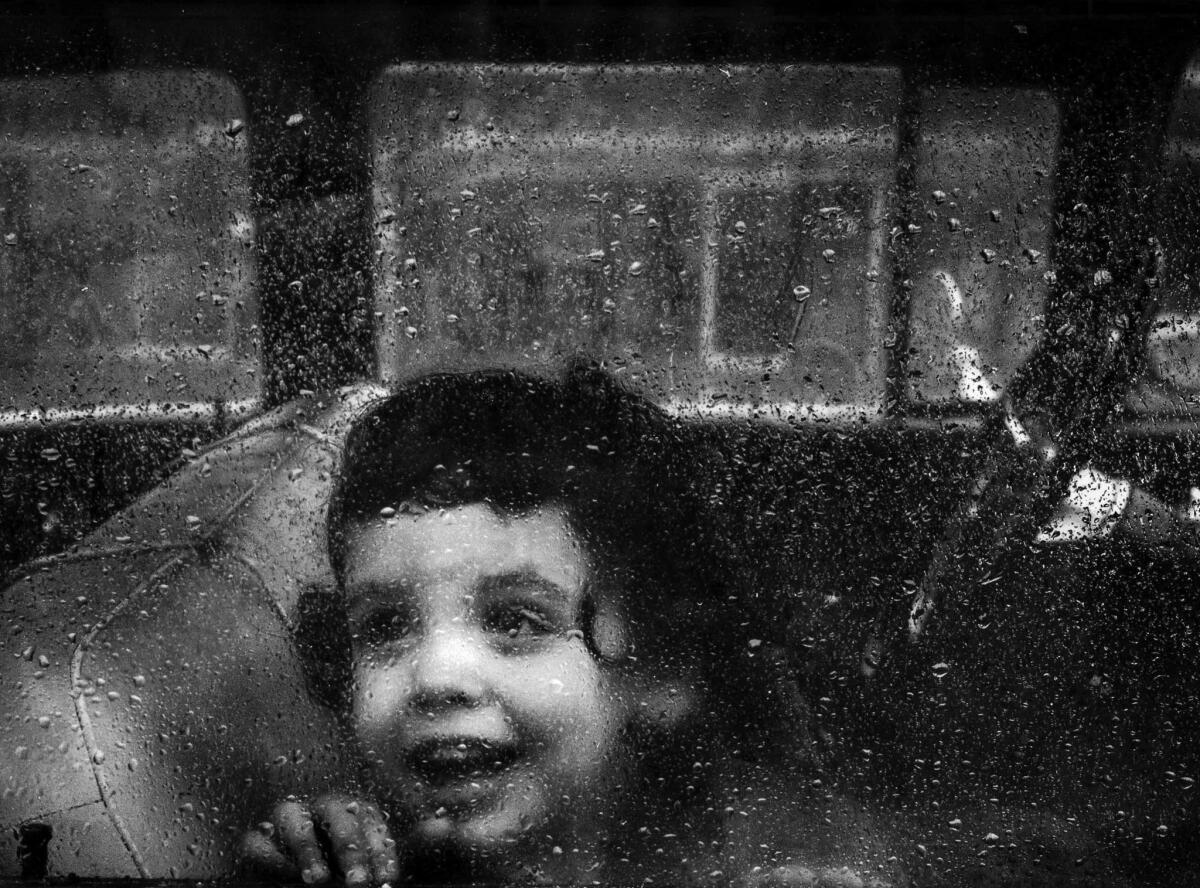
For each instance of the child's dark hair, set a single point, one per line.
(516, 442)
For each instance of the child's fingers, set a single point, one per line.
(381, 848)
(344, 830)
(258, 853)
(842, 877)
(298, 835)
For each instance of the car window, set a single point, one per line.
(128, 266)
(573, 445)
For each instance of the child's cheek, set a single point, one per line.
(564, 693)
(379, 694)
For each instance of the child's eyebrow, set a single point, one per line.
(525, 580)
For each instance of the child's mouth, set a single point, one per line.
(443, 761)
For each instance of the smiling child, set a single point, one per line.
(533, 660)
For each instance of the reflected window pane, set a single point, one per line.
(984, 193)
(716, 233)
(1172, 381)
(126, 273)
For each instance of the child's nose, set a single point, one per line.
(447, 672)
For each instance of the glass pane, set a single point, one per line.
(725, 250)
(982, 254)
(127, 272)
(1172, 379)
(668, 472)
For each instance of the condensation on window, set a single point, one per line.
(127, 271)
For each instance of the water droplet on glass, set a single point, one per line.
(739, 227)
(636, 268)
(941, 670)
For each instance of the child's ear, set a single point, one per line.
(610, 635)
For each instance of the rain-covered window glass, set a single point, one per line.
(545, 444)
(721, 238)
(981, 269)
(127, 276)
(1173, 383)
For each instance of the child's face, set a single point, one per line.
(476, 701)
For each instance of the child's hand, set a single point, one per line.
(331, 837)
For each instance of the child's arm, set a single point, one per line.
(332, 837)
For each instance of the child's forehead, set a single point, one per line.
(466, 543)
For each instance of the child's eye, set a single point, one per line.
(518, 621)
(383, 626)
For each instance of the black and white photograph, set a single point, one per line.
(608, 444)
